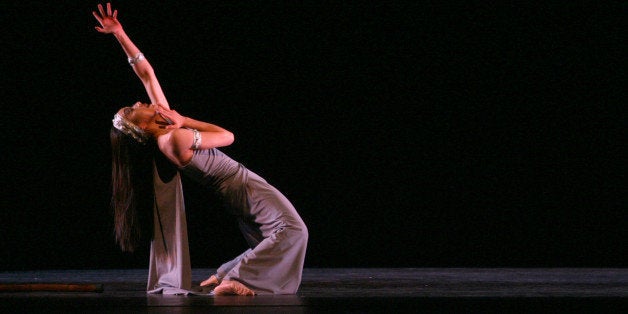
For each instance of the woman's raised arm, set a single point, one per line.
(110, 25)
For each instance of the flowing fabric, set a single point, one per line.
(170, 270)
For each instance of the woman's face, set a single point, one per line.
(140, 113)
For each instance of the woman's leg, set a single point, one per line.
(274, 266)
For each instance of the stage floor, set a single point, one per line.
(341, 290)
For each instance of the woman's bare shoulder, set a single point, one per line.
(176, 145)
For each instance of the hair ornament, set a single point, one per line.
(129, 128)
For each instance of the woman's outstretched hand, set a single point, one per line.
(174, 117)
(108, 20)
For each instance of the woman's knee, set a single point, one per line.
(301, 233)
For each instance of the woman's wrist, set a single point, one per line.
(119, 33)
(186, 122)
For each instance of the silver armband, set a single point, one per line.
(134, 60)
(197, 139)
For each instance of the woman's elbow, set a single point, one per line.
(229, 138)
(146, 73)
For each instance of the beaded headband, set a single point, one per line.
(129, 128)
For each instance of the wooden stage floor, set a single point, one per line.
(341, 290)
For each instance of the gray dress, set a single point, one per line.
(270, 224)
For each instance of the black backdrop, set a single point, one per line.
(407, 135)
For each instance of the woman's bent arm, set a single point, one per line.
(179, 144)
(189, 134)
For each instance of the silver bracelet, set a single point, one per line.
(197, 139)
(139, 57)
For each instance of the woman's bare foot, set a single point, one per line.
(211, 281)
(231, 287)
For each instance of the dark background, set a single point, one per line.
(407, 135)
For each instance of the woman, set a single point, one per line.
(273, 229)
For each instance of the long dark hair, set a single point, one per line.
(132, 191)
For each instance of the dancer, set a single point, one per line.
(272, 227)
